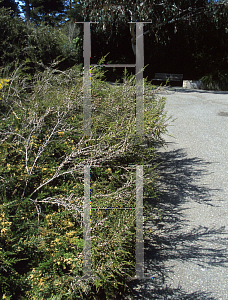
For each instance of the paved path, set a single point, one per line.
(187, 254)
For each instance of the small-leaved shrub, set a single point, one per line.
(43, 154)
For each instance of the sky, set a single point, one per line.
(20, 3)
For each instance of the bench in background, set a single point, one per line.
(160, 77)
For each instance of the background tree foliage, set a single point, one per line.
(188, 37)
(12, 5)
(49, 12)
(34, 45)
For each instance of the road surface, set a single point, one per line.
(186, 255)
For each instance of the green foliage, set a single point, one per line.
(216, 81)
(75, 12)
(43, 151)
(189, 41)
(12, 5)
(222, 80)
(26, 43)
(186, 37)
(48, 12)
(12, 38)
(207, 82)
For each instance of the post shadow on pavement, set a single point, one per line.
(177, 183)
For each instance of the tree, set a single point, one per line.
(49, 12)
(12, 5)
(119, 13)
(168, 19)
(27, 11)
(75, 12)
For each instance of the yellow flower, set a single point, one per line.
(15, 115)
(71, 233)
(60, 132)
(3, 82)
(3, 231)
(41, 283)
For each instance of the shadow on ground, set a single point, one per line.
(178, 177)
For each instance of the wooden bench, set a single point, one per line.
(166, 76)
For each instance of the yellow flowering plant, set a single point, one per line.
(3, 83)
(43, 153)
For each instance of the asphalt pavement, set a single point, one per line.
(186, 253)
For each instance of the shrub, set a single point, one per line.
(216, 81)
(223, 80)
(43, 151)
(33, 45)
